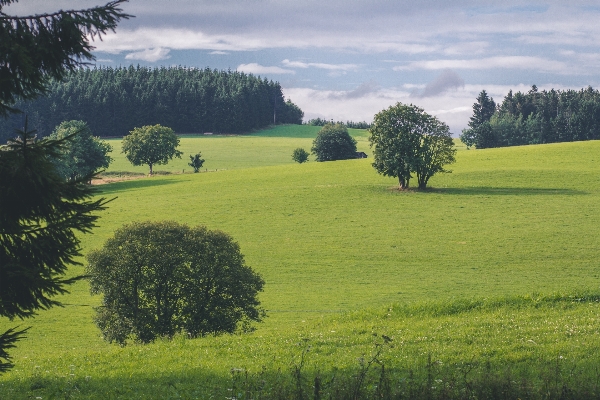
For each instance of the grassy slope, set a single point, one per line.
(336, 236)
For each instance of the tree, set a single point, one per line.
(196, 162)
(151, 145)
(84, 154)
(406, 139)
(300, 155)
(161, 278)
(333, 142)
(40, 211)
(483, 110)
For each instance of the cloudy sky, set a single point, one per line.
(349, 59)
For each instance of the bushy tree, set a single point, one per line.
(407, 140)
(151, 145)
(161, 278)
(333, 142)
(300, 155)
(84, 154)
(39, 210)
(196, 162)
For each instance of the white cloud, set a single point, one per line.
(330, 67)
(257, 69)
(218, 52)
(150, 55)
(506, 62)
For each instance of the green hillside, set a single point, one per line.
(493, 270)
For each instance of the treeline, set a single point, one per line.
(115, 100)
(534, 117)
(347, 124)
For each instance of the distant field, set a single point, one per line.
(345, 255)
(268, 147)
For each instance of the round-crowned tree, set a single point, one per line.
(161, 278)
(333, 142)
(406, 139)
(84, 154)
(150, 145)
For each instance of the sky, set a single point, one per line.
(349, 59)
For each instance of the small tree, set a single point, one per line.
(84, 154)
(160, 278)
(333, 142)
(196, 162)
(151, 145)
(300, 155)
(406, 139)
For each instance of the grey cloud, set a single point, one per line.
(446, 81)
(363, 90)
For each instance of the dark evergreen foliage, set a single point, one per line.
(39, 210)
(348, 124)
(189, 100)
(538, 117)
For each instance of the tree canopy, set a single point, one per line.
(83, 154)
(407, 140)
(40, 212)
(161, 278)
(189, 100)
(333, 142)
(537, 117)
(151, 145)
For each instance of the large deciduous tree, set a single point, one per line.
(407, 140)
(84, 154)
(161, 278)
(40, 212)
(333, 142)
(151, 145)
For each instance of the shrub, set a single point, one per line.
(160, 278)
(333, 142)
(300, 155)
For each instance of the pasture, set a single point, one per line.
(491, 271)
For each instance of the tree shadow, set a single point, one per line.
(506, 191)
(116, 187)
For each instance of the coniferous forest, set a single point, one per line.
(189, 100)
(534, 117)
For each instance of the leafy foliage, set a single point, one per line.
(535, 117)
(196, 162)
(151, 145)
(83, 154)
(115, 100)
(300, 155)
(406, 139)
(333, 142)
(160, 278)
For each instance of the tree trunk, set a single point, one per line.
(150, 168)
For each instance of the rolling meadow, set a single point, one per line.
(486, 285)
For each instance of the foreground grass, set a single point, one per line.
(332, 239)
(516, 347)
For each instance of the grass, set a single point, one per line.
(492, 273)
(268, 147)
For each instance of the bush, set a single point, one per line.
(161, 278)
(333, 142)
(300, 155)
(196, 162)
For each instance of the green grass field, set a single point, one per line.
(489, 276)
